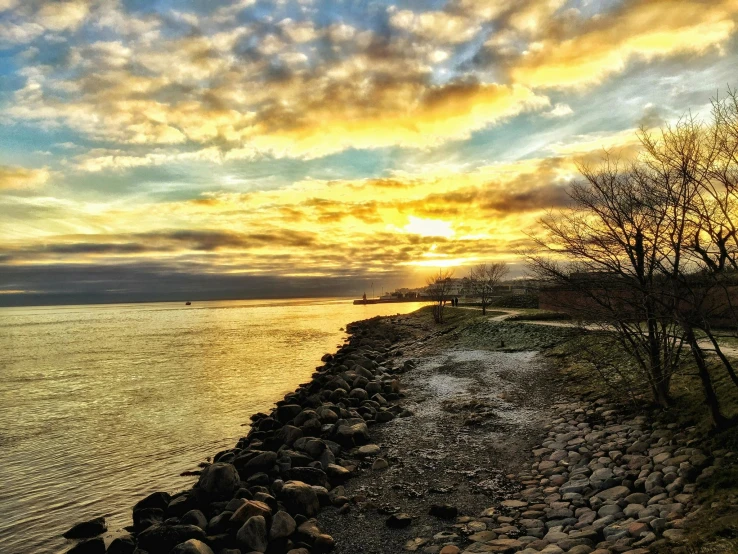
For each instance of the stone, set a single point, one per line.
(260, 463)
(380, 464)
(614, 493)
(162, 538)
(253, 535)
(192, 546)
(399, 521)
(309, 475)
(283, 525)
(674, 535)
(249, 509)
(450, 549)
(368, 450)
(122, 545)
(195, 517)
(299, 498)
(336, 473)
(514, 504)
(87, 529)
(219, 481)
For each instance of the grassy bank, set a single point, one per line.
(595, 365)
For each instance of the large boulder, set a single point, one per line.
(87, 529)
(299, 498)
(192, 546)
(219, 481)
(162, 538)
(253, 535)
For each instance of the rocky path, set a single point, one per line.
(476, 415)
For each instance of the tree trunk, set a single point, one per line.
(719, 421)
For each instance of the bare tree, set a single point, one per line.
(640, 240)
(614, 241)
(439, 286)
(483, 279)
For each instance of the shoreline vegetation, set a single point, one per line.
(474, 435)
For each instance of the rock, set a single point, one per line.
(399, 521)
(162, 538)
(443, 511)
(614, 493)
(323, 543)
(249, 509)
(87, 529)
(380, 464)
(309, 475)
(368, 450)
(91, 546)
(674, 535)
(253, 535)
(450, 549)
(195, 517)
(299, 498)
(288, 412)
(514, 504)
(262, 462)
(283, 525)
(122, 545)
(219, 481)
(352, 434)
(158, 500)
(192, 546)
(336, 473)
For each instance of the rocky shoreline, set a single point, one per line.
(263, 494)
(411, 438)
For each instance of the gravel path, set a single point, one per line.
(477, 413)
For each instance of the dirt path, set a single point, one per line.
(477, 413)
(705, 343)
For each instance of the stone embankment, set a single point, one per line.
(600, 483)
(263, 494)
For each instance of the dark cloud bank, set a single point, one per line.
(94, 284)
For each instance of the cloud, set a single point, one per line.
(62, 16)
(22, 178)
(576, 51)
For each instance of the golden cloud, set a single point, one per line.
(574, 52)
(20, 178)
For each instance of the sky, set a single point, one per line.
(162, 150)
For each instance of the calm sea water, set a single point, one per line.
(101, 405)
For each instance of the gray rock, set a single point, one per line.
(219, 481)
(299, 498)
(162, 538)
(253, 535)
(195, 517)
(283, 525)
(87, 529)
(192, 546)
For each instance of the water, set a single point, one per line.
(101, 405)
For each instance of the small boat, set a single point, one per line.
(188, 303)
